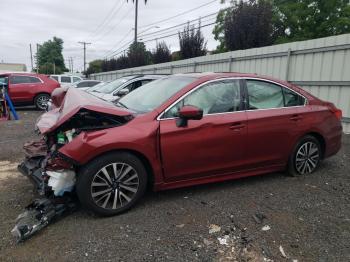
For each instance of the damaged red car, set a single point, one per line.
(178, 131)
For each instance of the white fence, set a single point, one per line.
(320, 66)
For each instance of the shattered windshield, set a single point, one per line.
(148, 97)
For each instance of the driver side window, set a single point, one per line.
(217, 97)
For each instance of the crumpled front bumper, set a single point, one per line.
(31, 168)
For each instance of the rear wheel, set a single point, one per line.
(305, 157)
(111, 184)
(41, 101)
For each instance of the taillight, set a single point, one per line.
(338, 114)
(336, 111)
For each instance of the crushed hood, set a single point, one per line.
(76, 100)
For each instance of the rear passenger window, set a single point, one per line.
(34, 80)
(292, 99)
(65, 79)
(54, 77)
(263, 95)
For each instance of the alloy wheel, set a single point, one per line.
(307, 158)
(114, 186)
(42, 101)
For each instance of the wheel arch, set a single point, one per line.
(145, 161)
(41, 93)
(320, 139)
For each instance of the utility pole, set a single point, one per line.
(37, 59)
(71, 62)
(84, 44)
(136, 14)
(31, 56)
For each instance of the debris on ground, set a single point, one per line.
(224, 240)
(266, 228)
(39, 214)
(180, 226)
(214, 229)
(282, 252)
(258, 217)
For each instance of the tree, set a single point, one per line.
(192, 43)
(138, 55)
(308, 19)
(95, 66)
(50, 58)
(244, 25)
(161, 54)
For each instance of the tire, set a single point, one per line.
(306, 156)
(41, 101)
(104, 193)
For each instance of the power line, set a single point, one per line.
(109, 16)
(178, 25)
(183, 13)
(112, 28)
(119, 42)
(176, 30)
(177, 33)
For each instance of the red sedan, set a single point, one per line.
(178, 131)
(29, 89)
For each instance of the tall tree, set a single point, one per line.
(246, 24)
(161, 54)
(50, 58)
(308, 19)
(192, 43)
(138, 55)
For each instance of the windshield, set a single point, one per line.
(110, 87)
(95, 87)
(148, 97)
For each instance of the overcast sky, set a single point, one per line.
(104, 23)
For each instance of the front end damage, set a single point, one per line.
(54, 174)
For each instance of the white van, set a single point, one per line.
(66, 80)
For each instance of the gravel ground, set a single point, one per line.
(304, 218)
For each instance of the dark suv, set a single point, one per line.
(28, 89)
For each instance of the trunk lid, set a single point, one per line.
(76, 100)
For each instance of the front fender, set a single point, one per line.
(142, 139)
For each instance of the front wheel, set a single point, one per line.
(41, 101)
(306, 157)
(112, 184)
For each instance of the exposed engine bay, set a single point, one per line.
(53, 174)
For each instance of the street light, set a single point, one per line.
(152, 27)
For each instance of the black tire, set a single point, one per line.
(89, 183)
(39, 101)
(302, 165)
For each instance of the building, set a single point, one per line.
(12, 67)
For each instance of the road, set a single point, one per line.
(271, 217)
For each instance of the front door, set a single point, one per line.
(213, 145)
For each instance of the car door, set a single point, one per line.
(21, 88)
(272, 125)
(211, 146)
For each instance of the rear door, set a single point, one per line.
(272, 123)
(213, 145)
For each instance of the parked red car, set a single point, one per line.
(178, 131)
(29, 89)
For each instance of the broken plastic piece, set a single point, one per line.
(38, 215)
(61, 181)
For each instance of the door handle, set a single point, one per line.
(237, 126)
(296, 118)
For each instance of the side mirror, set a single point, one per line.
(122, 92)
(188, 113)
